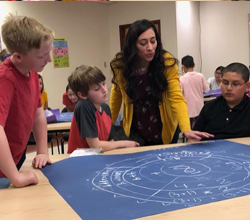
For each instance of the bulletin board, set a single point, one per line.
(60, 53)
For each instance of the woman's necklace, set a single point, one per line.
(142, 70)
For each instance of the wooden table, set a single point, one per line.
(59, 127)
(42, 202)
(209, 99)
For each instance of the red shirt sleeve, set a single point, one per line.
(5, 99)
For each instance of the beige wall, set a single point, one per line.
(92, 31)
(84, 24)
(128, 12)
(224, 34)
(188, 37)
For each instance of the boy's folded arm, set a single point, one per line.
(8, 166)
(110, 145)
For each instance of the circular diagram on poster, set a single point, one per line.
(185, 177)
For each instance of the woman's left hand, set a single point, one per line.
(197, 135)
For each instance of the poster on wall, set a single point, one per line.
(60, 53)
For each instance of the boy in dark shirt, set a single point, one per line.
(228, 116)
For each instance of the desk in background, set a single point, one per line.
(209, 99)
(59, 127)
(43, 202)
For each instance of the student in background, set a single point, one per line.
(227, 116)
(3, 55)
(214, 83)
(193, 85)
(91, 125)
(69, 99)
(20, 100)
(146, 80)
(44, 96)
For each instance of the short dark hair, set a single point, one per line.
(83, 77)
(237, 68)
(67, 88)
(220, 68)
(187, 61)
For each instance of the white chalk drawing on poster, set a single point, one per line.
(186, 178)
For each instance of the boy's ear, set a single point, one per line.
(248, 86)
(17, 57)
(79, 94)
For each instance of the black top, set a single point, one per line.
(217, 118)
(91, 122)
(146, 116)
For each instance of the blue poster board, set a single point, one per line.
(65, 117)
(54, 115)
(135, 185)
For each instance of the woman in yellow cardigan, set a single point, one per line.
(146, 80)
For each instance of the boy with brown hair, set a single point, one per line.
(21, 111)
(91, 125)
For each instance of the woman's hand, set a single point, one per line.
(197, 135)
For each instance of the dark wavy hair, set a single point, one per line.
(129, 58)
(40, 77)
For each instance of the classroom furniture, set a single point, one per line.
(58, 128)
(64, 109)
(50, 138)
(43, 201)
(64, 135)
(209, 99)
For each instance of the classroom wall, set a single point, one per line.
(91, 25)
(92, 31)
(128, 12)
(84, 24)
(188, 32)
(224, 34)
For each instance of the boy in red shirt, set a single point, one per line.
(91, 125)
(21, 110)
(69, 99)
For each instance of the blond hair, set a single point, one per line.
(21, 34)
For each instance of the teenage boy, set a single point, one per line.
(21, 110)
(91, 125)
(228, 116)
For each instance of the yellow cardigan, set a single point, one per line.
(172, 109)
